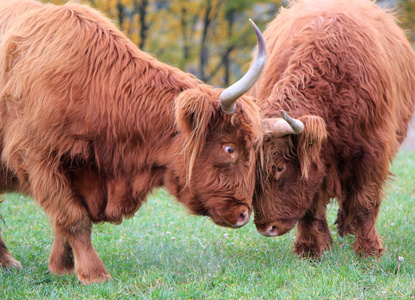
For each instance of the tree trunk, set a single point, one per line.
(230, 17)
(203, 47)
(185, 27)
(140, 8)
(121, 14)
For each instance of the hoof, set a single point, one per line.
(10, 263)
(59, 271)
(87, 280)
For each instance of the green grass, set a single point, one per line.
(164, 253)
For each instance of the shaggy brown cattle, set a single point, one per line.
(90, 125)
(346, 71)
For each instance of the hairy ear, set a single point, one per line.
(193, 112)
(310, 142)
(10, 48)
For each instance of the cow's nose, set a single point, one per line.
(270, 231)
(242, 219)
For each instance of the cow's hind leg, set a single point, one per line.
(8, 182)
(313, 234)
(6, 259)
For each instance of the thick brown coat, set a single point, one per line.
(345, 69)
(90, 125)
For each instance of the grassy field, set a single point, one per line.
(164, 253)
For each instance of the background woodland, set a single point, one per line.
(211, 39)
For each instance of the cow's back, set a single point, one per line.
(354, 65)
(36, 78)
(12, 10)
(59, 87)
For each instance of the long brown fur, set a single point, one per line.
(347, 65)
(90, 125)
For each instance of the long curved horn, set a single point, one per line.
(282, 126)
(229, 96)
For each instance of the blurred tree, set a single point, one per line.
(234, 37)
(407, 17)
(140, 9)
(210, 10)
(121, 14)
(209, 38)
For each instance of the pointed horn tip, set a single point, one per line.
(297, 125)
(236, 90)
(253, 24)
(262, 53)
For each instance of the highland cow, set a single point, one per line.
(90, 125)
(345, 70)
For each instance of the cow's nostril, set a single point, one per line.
(242, 219)
(244, 214)
(270, 231)
(273, 231)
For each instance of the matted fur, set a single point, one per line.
(347, 68)
(90, 125)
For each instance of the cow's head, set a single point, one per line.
(290, 172)
(214, 175)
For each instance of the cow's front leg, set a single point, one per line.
(71, 221)
(343, 221)
(367, 241)
(73, 251)
(61, 260)
(313, 233)
(88, 266)
(73, 247)
(363, 216)
(6, 259)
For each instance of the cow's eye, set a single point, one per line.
(280, 171)
(228, 149)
